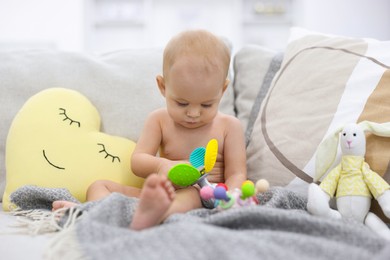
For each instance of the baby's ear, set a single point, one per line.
(161, 84)
(225, 85)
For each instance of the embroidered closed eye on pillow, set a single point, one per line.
(55, 141)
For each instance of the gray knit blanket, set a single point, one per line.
(278, 228)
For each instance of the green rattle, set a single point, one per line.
(202, 162)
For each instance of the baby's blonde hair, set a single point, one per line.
(199, 42)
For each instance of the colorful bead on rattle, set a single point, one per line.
(225, 199)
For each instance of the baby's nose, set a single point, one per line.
(193, 112)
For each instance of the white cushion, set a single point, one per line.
(325, 81)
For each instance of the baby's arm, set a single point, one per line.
(234, 154)
(144, 160)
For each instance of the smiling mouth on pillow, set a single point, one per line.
(52, 164)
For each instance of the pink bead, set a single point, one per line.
(207, 193)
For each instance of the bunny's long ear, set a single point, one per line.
(326, 154)
(379, 129)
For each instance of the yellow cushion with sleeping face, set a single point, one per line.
(55, 141)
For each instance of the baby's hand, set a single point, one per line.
(166, 165)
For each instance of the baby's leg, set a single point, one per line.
(158, 201)
(185, 200)
(156, 197)
(98, 190)
(102, 188)
(58, 204)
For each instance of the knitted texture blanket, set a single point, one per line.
(278, 228)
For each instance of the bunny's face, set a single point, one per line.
(353, 140)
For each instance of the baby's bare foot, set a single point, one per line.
(156, 197)
(59, 204)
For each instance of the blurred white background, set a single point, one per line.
(98, 26)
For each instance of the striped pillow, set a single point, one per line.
(324, 82)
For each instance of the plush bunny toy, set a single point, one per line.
(352, 180)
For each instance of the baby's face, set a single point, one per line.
(193, 92)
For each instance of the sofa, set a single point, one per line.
(287, 101)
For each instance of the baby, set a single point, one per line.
(195, 69)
